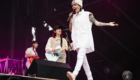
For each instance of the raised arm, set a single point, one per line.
(97, 23)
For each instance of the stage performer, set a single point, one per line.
(80, 25)
(31, 53)
(55, 41)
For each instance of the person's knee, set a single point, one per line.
(80, 56)
(84, 63)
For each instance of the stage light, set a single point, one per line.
(45, 25)
(50, 28)
(33, 33)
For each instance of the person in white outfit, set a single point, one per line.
(80, 25)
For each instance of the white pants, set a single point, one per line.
(82, 60)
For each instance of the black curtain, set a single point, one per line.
(16, 21)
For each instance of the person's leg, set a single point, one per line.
(80, 57)
(28, 64)
(87, 68)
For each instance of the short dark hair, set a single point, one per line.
(54, 35)
(33, 42)
(80, 7)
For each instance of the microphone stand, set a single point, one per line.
(68, 47)
(68, 38)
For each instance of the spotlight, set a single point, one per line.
(50, 28)
(45, 25)
(33, 33)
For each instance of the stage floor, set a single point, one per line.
(6, 76)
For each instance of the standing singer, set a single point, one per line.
(80, 25)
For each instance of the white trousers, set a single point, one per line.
(82, 60)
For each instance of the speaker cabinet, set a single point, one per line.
(48, 69)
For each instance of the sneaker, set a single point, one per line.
(71, 76)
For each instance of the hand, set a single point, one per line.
(70, 14)
(53, 50)
(70, 48)
(71, 44)
(45, 59)
(112, 24)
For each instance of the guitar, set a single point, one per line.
(51, 57)
(32, 58)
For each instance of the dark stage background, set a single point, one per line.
(117, 48)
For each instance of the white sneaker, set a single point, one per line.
(90, 79)
(71, 76)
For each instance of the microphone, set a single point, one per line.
(71, 15)
(65, 30)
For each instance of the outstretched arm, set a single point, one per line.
(97, 23)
